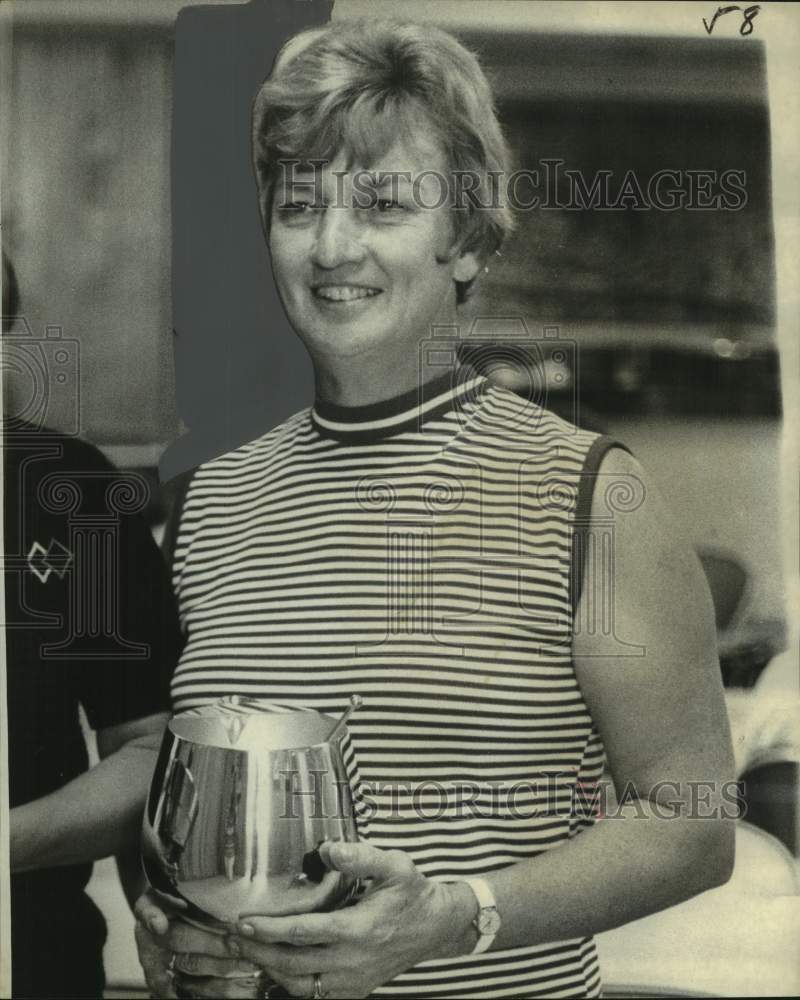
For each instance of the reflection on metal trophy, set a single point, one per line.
(243, 794)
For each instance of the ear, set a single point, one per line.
(467, 265)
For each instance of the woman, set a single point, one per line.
(417, 537)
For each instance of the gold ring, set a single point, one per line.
(319, 993)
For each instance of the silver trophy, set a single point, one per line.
(243, 794)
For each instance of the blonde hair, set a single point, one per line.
(353, 87)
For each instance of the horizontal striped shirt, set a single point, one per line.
(418, 552)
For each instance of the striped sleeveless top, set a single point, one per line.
(418, 552)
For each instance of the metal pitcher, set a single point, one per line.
(243, 794)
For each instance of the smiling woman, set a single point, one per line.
(363, 281)
(437, 544)
(367, 139)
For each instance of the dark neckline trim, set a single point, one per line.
(408, 411)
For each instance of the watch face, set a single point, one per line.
(488, 921)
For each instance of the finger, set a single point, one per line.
(155, 963)
(193, 964)
(213, 987)
(298, 986)
(148, 912)
(333, 986)
(187, 938)
(292, 961)
(300, 930)
(365, 861)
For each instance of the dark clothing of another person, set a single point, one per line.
(91, 621)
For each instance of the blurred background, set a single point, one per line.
(670, 318)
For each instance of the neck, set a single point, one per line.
(371, 422)
(362, 385)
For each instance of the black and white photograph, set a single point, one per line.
(401, 525)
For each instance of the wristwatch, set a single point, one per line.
(487, 923)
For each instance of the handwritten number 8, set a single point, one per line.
(748, 15)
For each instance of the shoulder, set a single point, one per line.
(87, 455)
(55, 449)
(59, 474)
(255, 452)
(242, 467)
(517, 416)
(240, 463)
(617, 487)
(658, 581)
(517, 429)
(625, 493)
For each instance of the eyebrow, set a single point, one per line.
(377, 180)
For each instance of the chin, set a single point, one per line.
(338, 343)
(355, 334)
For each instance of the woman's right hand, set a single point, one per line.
(179, 959)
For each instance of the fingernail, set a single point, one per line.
(155, 925)
(247, 929)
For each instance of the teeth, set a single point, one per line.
(344, 293)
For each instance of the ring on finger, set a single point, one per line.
(319, 993)
(171, 964)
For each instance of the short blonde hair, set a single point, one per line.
(353, 87)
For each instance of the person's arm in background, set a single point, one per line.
(99, 812)
(111, 742)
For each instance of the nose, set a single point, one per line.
(338, 238)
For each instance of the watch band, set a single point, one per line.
(487, 922)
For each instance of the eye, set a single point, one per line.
(385, 205)
(296, 207)
(299, 212)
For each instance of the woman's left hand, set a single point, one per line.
(402, 919)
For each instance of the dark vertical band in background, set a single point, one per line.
(239, 369)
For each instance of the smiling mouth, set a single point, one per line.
(344, 293)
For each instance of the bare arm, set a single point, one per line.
(96, 814)
(109, 742)
(663, 721)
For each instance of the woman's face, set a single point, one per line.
(367, 281)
